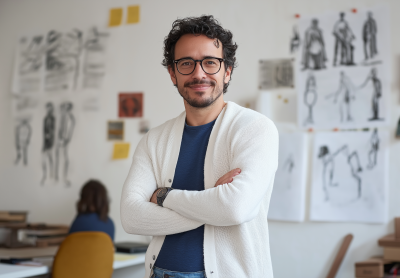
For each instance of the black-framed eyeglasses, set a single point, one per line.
(210, 65)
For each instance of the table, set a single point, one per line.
(125, 265)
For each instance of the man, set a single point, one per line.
(49, 125)
(343, 37)
(200, 184)
(314, 56)
(65, 131)
(369, 37)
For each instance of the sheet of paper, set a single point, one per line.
(133, 15)
(343, 69)
(115, 17)
(121, 151)
(276, 73)
(349, 180)
(288, 196)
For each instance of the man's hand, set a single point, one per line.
(154, 197)
(228, 177)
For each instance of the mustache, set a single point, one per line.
(200, 82)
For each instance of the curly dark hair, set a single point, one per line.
(204, 25)
(94, 199)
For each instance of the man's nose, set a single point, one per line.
(198, 71)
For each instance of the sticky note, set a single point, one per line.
(124, 257)
(115, 17)
(133, 14)
(121, 151)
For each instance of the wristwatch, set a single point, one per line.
(162, 194)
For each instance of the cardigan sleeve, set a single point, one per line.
(255, 151)
(140, 216)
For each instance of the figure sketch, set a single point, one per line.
(65, 130)
(369, 37)
(314, 55)
(49, 126)
(373, 153)
(377, 93)
(23, 133)
(310, 97)
(31, 56)
(295, 40)
(328, 161)
(347, 89)
(343, 42)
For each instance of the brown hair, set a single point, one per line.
(94, 199)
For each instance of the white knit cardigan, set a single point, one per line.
(236, 241)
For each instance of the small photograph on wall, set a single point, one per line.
(277, 73)
(130, 105)
(115, 130)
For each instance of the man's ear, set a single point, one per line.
(172, 75)
(227, 76)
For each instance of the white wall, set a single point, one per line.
(261, 28)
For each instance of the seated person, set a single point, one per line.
(93, 210)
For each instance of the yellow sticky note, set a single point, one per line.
(121, 151)
(115, 17)
(133, 14)
(124, 257)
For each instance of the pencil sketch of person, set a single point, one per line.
(65, 130)
(310, 97)
(295, 40)
(23, 133)
(377, 93)
(314, 56)
(347, 88)
(53, 61)
(49, 125)
(72, 48)
(373, 153)
(31, 57)
(343, 42)
(369, 37)
(328, 174)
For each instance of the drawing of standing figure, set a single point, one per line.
(65, 131)
(369, 37)
(343, 42)
(373, 153)
(328, 174)
(310, 97)
(23, 134)
(347, 87)
(49, 125)
(377, 93)
(314, 56)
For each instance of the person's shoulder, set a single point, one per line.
(240, 117)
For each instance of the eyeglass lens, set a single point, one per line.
(209, 65)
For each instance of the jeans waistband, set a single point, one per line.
(163, 273)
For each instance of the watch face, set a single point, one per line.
(161, 192)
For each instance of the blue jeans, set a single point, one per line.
(162, 273)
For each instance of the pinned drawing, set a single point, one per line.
(64, 136)
(349, 176)
(49, 129)
(276, 73)
(376, 95)
(344, 50)
(343, 42)
(369, 34)
(287, 200)
(23, 133)
(29, 64)
(346, 89)
(130, 105)
(310, 97)
(314, 54)
(94, 68)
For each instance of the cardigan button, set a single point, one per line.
(154, 257)
(151, 266)
(169, 180)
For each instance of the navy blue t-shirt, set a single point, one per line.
(183, 252)
(91, 222)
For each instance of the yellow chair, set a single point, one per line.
(86, 255)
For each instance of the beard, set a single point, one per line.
(203, 102)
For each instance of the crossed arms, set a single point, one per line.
(254, 151)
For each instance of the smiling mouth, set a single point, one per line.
(199, 87)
